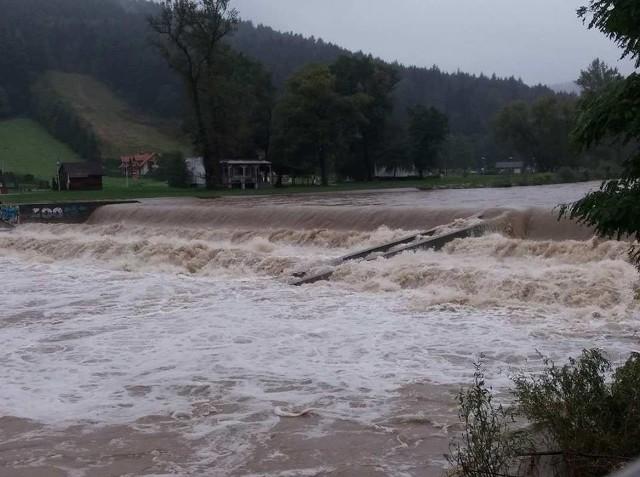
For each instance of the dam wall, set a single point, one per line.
(58, 212)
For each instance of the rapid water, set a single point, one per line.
(182, 309)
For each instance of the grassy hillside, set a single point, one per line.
(119, 129)
(27, 148)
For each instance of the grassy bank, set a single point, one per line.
(501, 180)
(28, 148)
(118, 188)
(113, 189)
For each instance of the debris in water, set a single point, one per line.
(283, 412)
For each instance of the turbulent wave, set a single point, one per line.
(506, 267)
(496, 271)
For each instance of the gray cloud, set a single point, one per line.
(539, 41)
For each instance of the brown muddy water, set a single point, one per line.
(163, 338)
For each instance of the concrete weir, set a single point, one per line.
(420, 241)
(60, 212)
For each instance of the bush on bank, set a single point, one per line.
(583, 419)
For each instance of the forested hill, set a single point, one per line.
(470, 101)
(282, 53)
(108, 39)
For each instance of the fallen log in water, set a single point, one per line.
(420, 241)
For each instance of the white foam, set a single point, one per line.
(78, 342)
(109, 324)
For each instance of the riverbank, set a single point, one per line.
(116, 188)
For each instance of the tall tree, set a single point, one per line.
(614, 113)
(597, 77)
(188, 34)
(311, 118)
(374, 81)
(5, 104)
(593, 81)
(238, 97)
(428, 130)
(552, 119)
(396, 154)
(539, 132)
(512, 126)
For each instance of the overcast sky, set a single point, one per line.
(541, 41)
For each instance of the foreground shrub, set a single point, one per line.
(592, 420)
(489, 445)
(583, 413)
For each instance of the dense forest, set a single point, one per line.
(111, 41)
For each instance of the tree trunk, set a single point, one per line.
(209, 159)
(367, 158)
(323, 166)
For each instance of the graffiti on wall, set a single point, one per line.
(66, 212)
(9, 214)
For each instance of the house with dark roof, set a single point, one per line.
(80, 176)
(138, 165)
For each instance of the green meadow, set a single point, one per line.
(28, 148)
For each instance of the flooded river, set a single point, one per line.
(163, 338)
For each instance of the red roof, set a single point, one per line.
(139, 159)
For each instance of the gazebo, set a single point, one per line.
(244, 173)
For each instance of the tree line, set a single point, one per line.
(330, 118)
(540, 133)
(378, 114)
(110, 40)
(340, 118)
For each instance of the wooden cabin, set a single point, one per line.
(80, 176)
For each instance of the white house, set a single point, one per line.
(196, 176)
(510, 167)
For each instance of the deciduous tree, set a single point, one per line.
(312, 118)
(188, 33)
(428, 130)
(597, 77)
(512, 126)
(238, 98)
(374, 81)
(539, 132)
(613, 113)
(5, 105)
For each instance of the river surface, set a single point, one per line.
(164, 338)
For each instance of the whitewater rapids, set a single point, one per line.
(176, 316)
